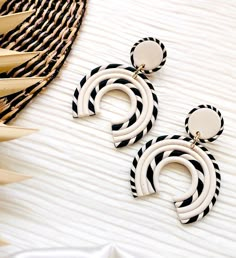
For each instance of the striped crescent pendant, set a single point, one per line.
(199, 199)
(147, 55)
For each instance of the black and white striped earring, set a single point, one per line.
(147, 55)
(203, 124)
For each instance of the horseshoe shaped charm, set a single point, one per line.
(147, 53)
(206, 179)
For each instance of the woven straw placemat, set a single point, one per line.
(51, 29)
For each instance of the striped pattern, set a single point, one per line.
(51, 30)
(163, 51)
(126, 81)
(194, 162)
(209, 139)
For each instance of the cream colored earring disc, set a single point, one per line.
(148, 53)
(206, 121)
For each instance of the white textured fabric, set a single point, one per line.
(80, 193)
(108, 251)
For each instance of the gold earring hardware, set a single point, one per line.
(139, 69)
(195, 140)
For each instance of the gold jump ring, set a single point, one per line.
(139, 69)
(195, 140)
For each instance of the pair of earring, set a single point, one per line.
(203, 124)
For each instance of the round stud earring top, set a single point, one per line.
(206, 122)
(148, 53)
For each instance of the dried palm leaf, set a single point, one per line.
(8, 133)
(10, 59)
(9, 22)
(2, 242)
(8, 177)
(12, 85)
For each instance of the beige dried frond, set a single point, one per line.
(8, 133)
(10, 59)
(3, 243)
(8, 177)
(10, 21)
(12, 85)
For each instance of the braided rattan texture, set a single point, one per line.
(51, 29)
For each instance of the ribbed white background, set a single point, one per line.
(80, 193)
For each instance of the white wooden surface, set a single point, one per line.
(80, 193)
